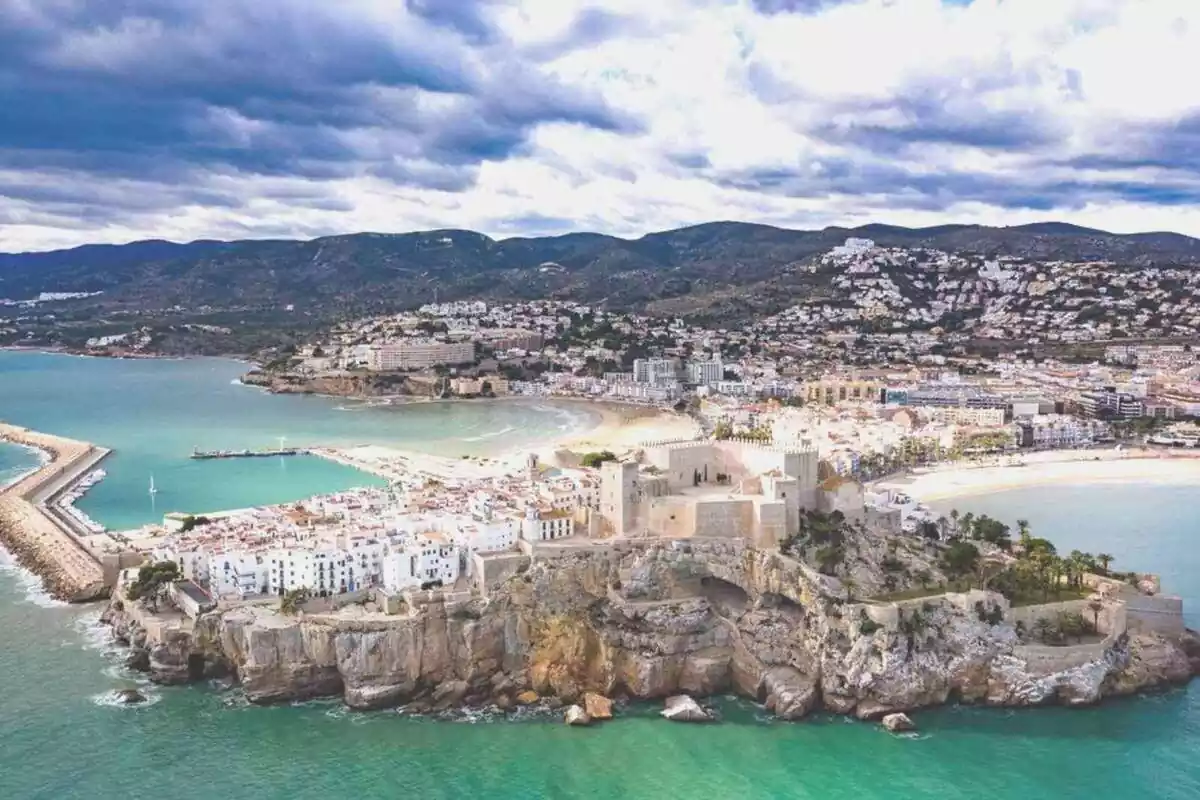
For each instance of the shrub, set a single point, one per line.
(594, 460)
(866, 625)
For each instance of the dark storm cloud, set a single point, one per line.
(143, 87)
(897, 186)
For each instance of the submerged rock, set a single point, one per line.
(576, 716)
(682, 708)
(898, 723)
(130, 697)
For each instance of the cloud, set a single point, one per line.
(201, 118)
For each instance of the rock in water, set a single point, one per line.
(527, 698)
(577, 716)
(597, 706)
(130, 696)
(898, 723)
(682, 708)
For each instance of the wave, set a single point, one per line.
(484, 436)
(28, 583)
(112, 699)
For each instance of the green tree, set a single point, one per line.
(1023, 533)
(291, 602)
(960, 559)
(152, 580)
(594, 460)
(1072, 624)
(1105, 561)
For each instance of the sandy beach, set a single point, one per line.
(625, 427)
(1066, 467)
(621, 428)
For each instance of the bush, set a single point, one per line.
(866, 625)
(993, 615)
(594, 460)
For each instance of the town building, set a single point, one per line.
(409, 355)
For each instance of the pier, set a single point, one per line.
(277, 451)
(44, 538)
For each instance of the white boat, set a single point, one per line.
(152, 489)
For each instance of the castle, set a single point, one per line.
(735, 488)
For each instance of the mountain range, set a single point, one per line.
(719, 268)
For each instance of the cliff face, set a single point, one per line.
(358, 385)
(648, 621)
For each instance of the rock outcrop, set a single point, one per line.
(898, 723)
(130, 697)
(575, 715)
(653, 620)
(597, 706)
(682, 708)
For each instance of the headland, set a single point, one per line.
(694, 567)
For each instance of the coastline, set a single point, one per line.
(619, 428)
(1059, 468)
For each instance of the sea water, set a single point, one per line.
(153, 413)
(62, 735)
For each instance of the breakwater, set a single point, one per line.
(279, 451)
(43, 538)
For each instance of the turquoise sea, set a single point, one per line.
(60, 737)
(153, 413)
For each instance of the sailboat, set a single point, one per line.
(153, 491)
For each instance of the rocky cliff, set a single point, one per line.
(647, 621)
(355, 385)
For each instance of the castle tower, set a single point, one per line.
(619, 495)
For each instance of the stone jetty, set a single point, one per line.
(47, 543)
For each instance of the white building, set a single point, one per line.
(547, 525)
(193, 564)
(706, 373)
(241, 573)
(420, 561)
(654, 370)
(419, 355)
(322, 571)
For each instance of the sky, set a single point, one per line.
(228, 119)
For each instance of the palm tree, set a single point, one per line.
(1105, 560)
(1077, 564)
(968, 524)
(1095, 606)
(1023, 532)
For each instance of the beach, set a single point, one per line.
(1063, 467)
(619, 429)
